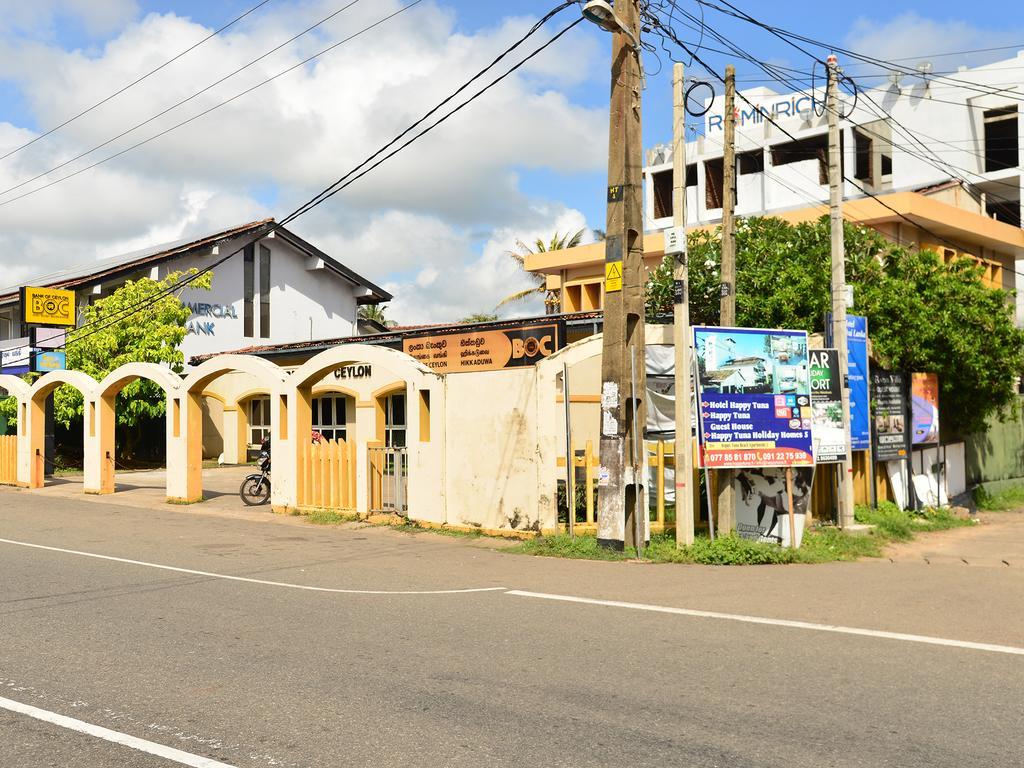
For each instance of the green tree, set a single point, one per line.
(522, 250)
(923, 315)
(115, 331)
(478, 317)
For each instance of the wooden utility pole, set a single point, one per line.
(835, 182)
(620, 488)
(727, 314)
(675, 245)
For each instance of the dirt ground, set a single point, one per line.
(996, 540)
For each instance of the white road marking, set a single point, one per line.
(98, 731)
(264, 582)
(779, 622)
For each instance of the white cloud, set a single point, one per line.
(910, 35)
(410, 223)
(97, 16)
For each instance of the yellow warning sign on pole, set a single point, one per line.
(612, 276)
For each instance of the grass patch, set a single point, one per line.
(329, 517)
(820, 544)
(1010, 498)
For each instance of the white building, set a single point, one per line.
(912, 132)
(279, 288)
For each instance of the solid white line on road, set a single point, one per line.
(264, 582)
(778, 622)
(150, 747)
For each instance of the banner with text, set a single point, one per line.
(452, 351)
(892, 434)
(754, 398)
(827, 407)
(857, 375)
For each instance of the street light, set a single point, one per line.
(601, 13)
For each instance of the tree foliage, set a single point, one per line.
(522, 250)
(923, 314)
(142, 321)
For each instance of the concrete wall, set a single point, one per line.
(492, 459)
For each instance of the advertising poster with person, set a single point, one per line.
(762, 505)
(754, 398)
(924, 403)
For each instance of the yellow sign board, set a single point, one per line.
(612, 276)
(47, 306)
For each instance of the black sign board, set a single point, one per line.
(891, 425)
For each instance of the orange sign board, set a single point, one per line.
(484, 350)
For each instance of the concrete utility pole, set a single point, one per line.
(835, 182)
(676, 245)
(727, 314)
(620, 486)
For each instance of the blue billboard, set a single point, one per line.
(754, 397)
(860, 403)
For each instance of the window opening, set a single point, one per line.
(1001, 144)
(264, 292)
(394, 421)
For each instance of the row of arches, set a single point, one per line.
(287, 404)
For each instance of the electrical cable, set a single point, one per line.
(187, 99)
(321, 197)
(135, 82)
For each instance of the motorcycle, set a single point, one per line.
(255, 489)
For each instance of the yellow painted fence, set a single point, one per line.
(327, 476)
(8, 459)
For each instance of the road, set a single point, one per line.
(266, 641)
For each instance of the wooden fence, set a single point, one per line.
(8, 459)
(327, 475)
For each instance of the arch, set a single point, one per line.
(45, 384)
(185, 451)
(104, 411)
(14, 385)
(34, 413)
(120, 377)
(402, 365)
(260, 369)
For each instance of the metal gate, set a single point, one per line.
(388, 479)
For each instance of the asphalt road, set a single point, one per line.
(251, 673)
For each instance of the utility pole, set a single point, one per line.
(676, 245)
(835, 182)
(727, 314)
(620, 483)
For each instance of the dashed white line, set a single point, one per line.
(99, 732)
(264, 582)
(926, 639)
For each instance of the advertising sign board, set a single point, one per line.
(762, 504)
(827, 407)
(754, 398)
(43, 361)
(47, 306)
(486, 349)
(857, 375)
(891, 433)
(924, 403)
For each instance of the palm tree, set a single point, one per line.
(522, 250)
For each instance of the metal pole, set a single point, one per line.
(570, 470)
(681, 318)
(639, 470)
(835, 180)
(727, 301)
(792, 515)
(623, 287)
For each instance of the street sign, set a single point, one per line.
(47, 306)
(43, 361)
(612, 276)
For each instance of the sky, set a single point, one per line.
(434, 224)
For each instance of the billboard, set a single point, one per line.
(924, 404)
(14, 356)
(891, 433)
(753, 397)
(762, 503)
(489, 349)
(827, 407)
(47, 306)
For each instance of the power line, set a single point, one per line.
(136, 81)
(334, 188)
(198, 93)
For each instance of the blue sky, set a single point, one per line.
(514, 166)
